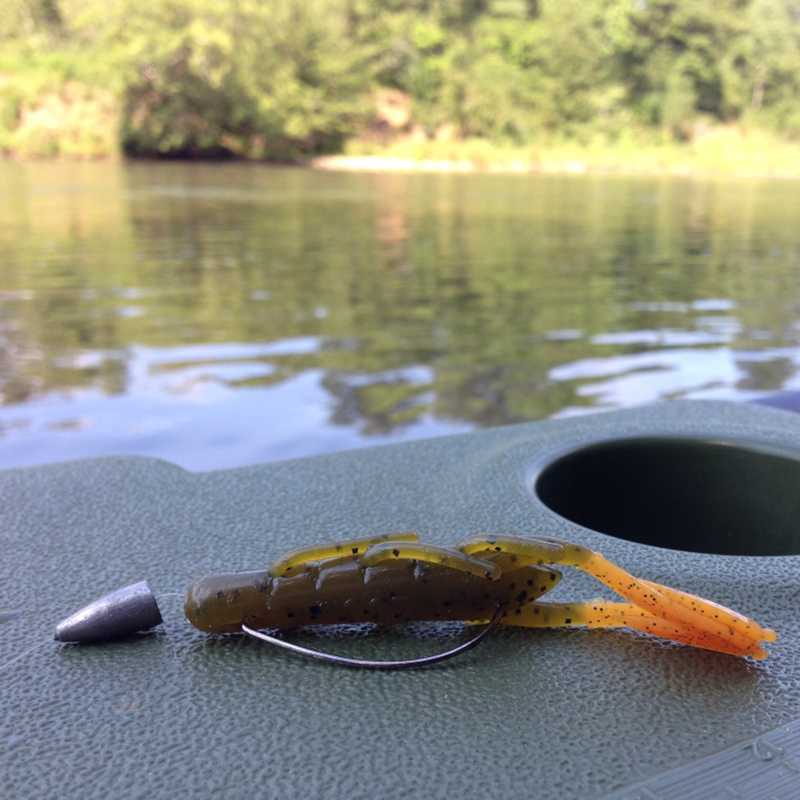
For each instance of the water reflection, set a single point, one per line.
(215, 406)
(218, 315)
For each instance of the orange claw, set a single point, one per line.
(652, 608)
(680, 616)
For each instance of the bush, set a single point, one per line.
(275, 80)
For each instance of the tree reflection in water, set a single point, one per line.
(225, 314)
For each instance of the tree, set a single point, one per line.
(248, 78)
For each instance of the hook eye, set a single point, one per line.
(367, 664)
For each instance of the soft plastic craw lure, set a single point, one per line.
(393, 578)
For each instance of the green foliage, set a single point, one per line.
(288, 78)
(51, 106)
(29, 18)
(772, 55)
(256, 79)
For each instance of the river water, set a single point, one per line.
(217, 315)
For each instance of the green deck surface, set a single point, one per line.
(529, 714)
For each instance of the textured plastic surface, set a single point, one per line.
(767, 766)
(531, 713)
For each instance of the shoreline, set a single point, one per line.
(373, 163)
(635, 166)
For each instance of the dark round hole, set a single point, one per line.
(728, 497)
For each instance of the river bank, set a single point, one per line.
(396, 164)
(720, 151)
(727, 152)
